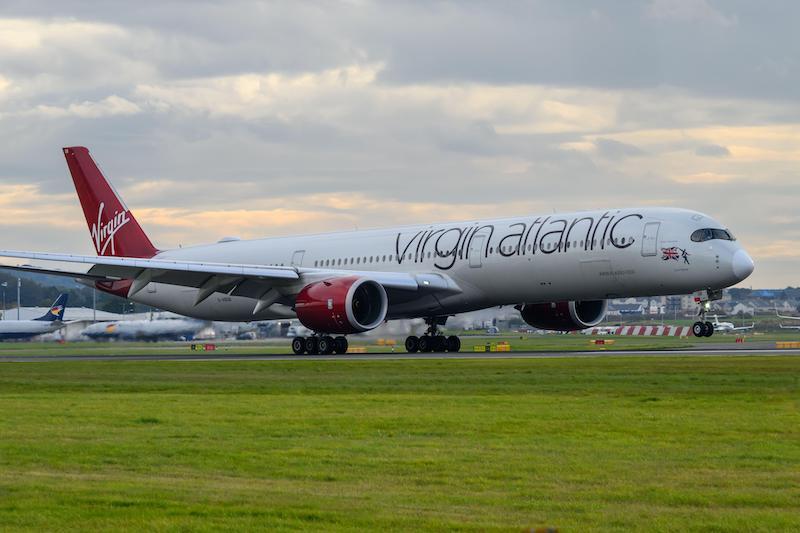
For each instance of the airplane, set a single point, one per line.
(47, 323)
(145, 330)
(558, 270)
(787, 318)
(726, 327)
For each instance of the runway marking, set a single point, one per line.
(718, 352)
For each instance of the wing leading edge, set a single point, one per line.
(266, 284)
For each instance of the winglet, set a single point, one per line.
(113, 228)
(56, 311)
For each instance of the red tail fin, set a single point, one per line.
(113, 228)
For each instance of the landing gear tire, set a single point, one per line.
(425, 343)
(299, 345)
(453, 344)
(439, 343)
(699, 329)
(412, 344)
(312, 346)
(326, 345)
(709, 329)
(340, 345)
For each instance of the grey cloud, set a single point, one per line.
(627, 44)
(612, 149)
(712, 150)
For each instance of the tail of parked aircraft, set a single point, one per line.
(114, 230)
(56, 311)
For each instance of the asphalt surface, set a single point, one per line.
(220, 356)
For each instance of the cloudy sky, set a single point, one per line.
(272, 118)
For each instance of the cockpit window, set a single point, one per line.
(707, 234)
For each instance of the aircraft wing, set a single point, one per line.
(786, 317)
(744, 328)
(252, 281)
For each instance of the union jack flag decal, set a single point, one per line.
(670, 253)
(674, 253)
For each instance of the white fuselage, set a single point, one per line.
(572, 256)
(144, 329)
(23, 329)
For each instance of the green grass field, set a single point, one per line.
(707, 443)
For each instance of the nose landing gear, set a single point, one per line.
(704, 328)
(432, 340)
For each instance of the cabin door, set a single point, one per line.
(475, 252)
(650, 239)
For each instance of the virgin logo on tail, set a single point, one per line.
(103, 234)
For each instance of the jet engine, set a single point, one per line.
(564, 316)
(342, 305)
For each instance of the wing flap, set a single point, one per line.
(58, 272)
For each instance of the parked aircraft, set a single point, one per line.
(47, 323)
(145, 330)
(559, 270)
(727, 327)
(788, 318)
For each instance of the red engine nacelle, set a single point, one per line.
(342, 305)
(565, 316)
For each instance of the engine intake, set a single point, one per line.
(342, 305)
(565, 316)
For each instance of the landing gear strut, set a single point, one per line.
(432, 340)
(319, 345)
(704, 328)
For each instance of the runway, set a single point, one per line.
(217, 356)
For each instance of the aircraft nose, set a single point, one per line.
(742, 265)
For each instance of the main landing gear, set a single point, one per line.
(319, 345)
(704, 328)
(432, 341)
